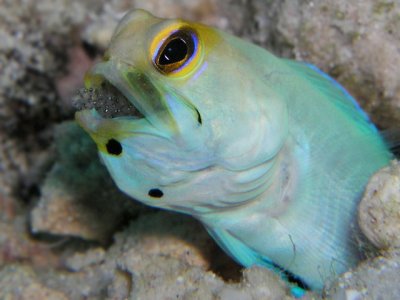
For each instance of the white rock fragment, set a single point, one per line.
(79, 261)
(379, 210)
(353, 295)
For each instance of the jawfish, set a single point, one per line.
(270, 154)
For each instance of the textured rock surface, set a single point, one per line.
(357, 42)
(45, 48)
(78, 197)
(379, 210)
(158, 256)
(32, 52)
(20, 282)
(376, 278)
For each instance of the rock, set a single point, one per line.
(78, 197)
(375, 278)
(16, 245)
(379, 210)
(257, 283)
(355, 42)
(32, 54)
(20, 282)
(158, 256)
(79, 261)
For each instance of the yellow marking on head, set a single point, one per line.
(111, 130)
(92, 80)
(103, 130)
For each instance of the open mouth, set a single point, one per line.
(115, 89)
(107, 100)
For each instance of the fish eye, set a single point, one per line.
(176, 51)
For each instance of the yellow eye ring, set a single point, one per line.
(176, 51)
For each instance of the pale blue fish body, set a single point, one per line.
(270, 155)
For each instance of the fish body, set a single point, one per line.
(271, 155)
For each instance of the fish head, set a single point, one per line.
(204, 112)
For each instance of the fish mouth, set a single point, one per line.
(103, 92)
(115, 89)
(123, 98)
(107, 100)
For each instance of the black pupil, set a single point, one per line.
(175, 51)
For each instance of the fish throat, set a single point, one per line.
(268, 192)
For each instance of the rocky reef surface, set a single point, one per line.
(66, 232)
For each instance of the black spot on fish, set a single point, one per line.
(114, 147)
(156, 193)
(199, 117)
(292, 278)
